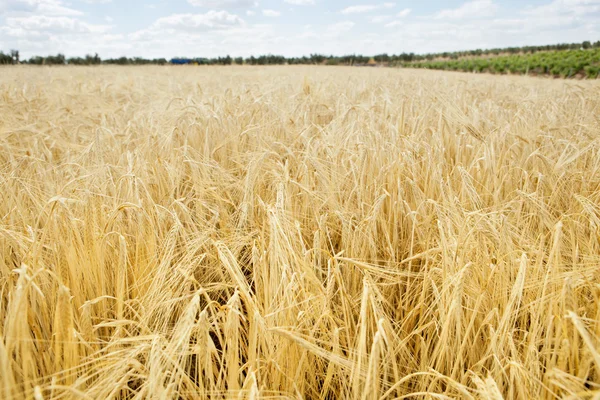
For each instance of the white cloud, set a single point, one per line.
(17, 5)
(470, 9)
(223, 4)
(41, 24)
(365, 8)
(250, 12)
(97, 1)
(307, 35)
(339, 28)
(108, 19)
(404, 13)
(41, 27)
(184, 34)
(300, 2)
(212, 20)
(359, 9)
(244, 40)
(378, 19)
(517, 29)
(565, 7)
(271, 13)
(45, 7)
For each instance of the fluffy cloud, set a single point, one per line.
(43, 35)
(51, 25)
(271, 13)
(300, 2)
(437, 35)
(240, 40)
(45, 7)
(212, 20)
(365, 8)
(41, 27)
(224, 4)
(378, 19)
(559, 8)
(191, 31)
(404, 13)
(339, 28)
(471, 9)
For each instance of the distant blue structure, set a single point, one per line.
(181, 61)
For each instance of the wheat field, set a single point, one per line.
(297, 232)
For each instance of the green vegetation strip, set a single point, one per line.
(565, 64)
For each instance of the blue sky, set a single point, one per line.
(208, 28)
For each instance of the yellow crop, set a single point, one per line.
(297, 232)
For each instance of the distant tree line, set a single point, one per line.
(270, 59)
(135, 61)
(89, 59)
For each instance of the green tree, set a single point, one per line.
(15, 56)
(5, 58)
